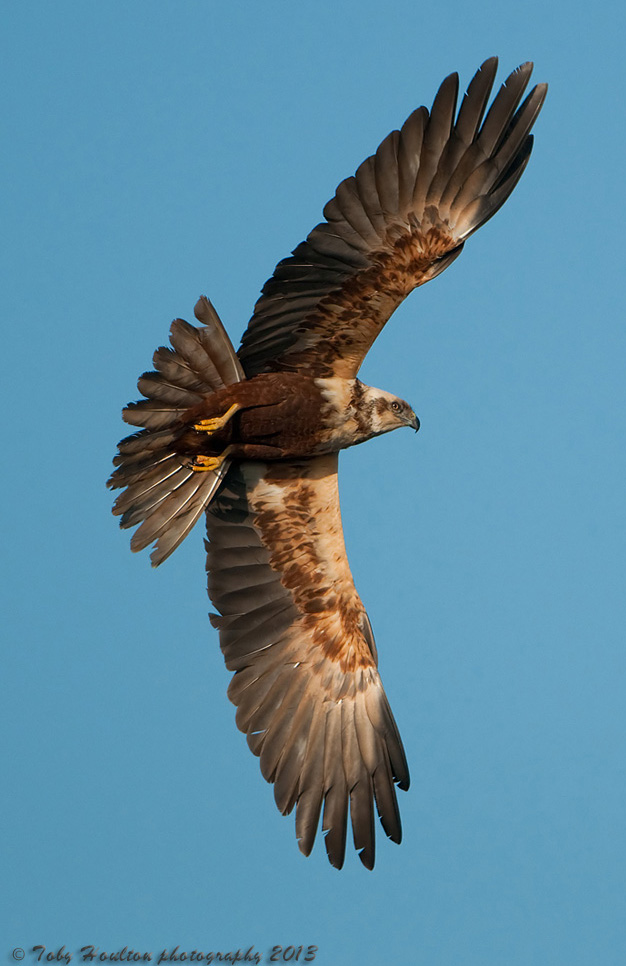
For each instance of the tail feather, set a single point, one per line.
(190, 346)
(181, 497)
(222, 353)
(154, 385)
(161, 492)
(174, 368)
(149, 490)
(154, 414)
(137, 469)
(141, 442)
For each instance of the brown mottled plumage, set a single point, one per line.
(252, 438)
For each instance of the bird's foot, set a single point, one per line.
(208, 464)
(216, 423)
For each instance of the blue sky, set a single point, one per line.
(162, 150)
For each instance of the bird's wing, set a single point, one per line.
(400, 221)
(293, 629)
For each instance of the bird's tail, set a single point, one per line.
(162, 492)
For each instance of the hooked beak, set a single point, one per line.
(414, 422)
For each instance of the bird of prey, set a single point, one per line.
(251, 439)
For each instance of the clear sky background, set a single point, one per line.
(159, 150)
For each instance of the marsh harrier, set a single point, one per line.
(251, 439)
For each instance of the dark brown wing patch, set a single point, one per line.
(370, 297)
(400, 221)
(295, 632)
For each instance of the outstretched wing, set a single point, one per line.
(400, 221)
(293, 629)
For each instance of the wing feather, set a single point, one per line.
(289, 770)
(311, 782)
(409, 154)
(386, 175)
(436, 138)
(365, 179)
(473, 105)
(399, 222)
(293, 629)
(346, 209)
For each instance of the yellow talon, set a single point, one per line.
(216, 422)
(206, 464)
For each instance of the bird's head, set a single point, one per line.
(386, 411)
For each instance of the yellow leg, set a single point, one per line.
(211, 426)
(206, 464)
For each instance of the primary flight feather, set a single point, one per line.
(251, 438)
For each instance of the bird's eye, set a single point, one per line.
(396, 407)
